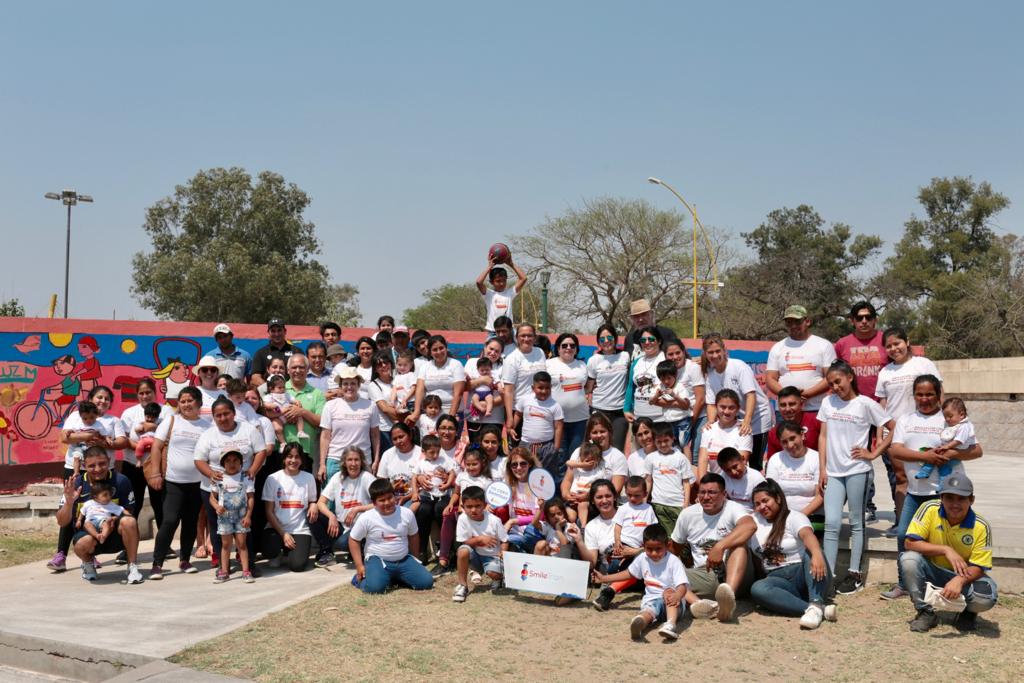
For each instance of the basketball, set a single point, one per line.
(499, 253)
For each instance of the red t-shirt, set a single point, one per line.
(866, 358)
(809, 421)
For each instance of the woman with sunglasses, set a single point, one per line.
(568, 380)
(643, 377)
(379, 392)
(208, 372)
(607, 375)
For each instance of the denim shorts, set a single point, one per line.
(226, 526)
(655, 605)
(484, 563)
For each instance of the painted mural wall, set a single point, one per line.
(48, 365)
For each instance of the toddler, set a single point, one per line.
(403, 384)
(98, 513)
(957, 436)
(152, 418)
(576, 485)
(427, 424)
(558, 532)
(669, 476)
(274, 403)
(482, 398)
(671, 394)
(232, 498)
(88, 415)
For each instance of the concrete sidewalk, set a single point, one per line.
(155, 618)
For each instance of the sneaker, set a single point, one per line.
(604, 599)
(248, 577)
(726, 599)
(156, 573)
(187, 568)
(668, 631)
(704, 609)
(851, 583)
(274, 562)
(871, 516)
(966, 622)
(96, 563)
(460, 594)
(925, 621)
(894, 593)
(88, 571)
(440, 570)
(134, 575)
(58, 563)
(254, 570)
(831, 613)
(891, 531)
(122, 558)
(171, 554)
(325, 559)
(636, 627)
(812, 617)
(475, 577)
(221, 577)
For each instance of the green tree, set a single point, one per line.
(11, 308)
(448, 307)
(343, 305)
(797, 260)
(225, 248)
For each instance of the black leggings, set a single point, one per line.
(181, 505)
(67, 531)
(757, 454)
(138, 479)
(273, 545)
(430, 512)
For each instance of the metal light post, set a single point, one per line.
(545, 278)
(69, 198)
(707, 242)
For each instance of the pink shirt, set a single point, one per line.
(866, 358)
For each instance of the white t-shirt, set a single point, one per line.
(742, 490)
(802, 364)
(291, 496)
(94, 511)
(634, 519)
(613, 463)
(440, 381)
(791, 546)
(209, 396)
(498, 304)
(518, 370)
(265, 427)
(380, 391)
(610, 374)
(716, 438)
(849, 424)
(181, 447)
(347, 493)
(668, 572)
(918, 432)
(399, 468)
(405, 388)
(365, 374)
(497, 415)
(523, 504)
(349, 425)
(464, 480)
(246, 413)
(645, 379)
(567, 388)
(213, 443)
(896, 384)
(74, 423)
(498, 467)
(490, 525)
(797, 477)
(962, 433)
(135, 415)
(538, 418)
(438, 470)
(668, 472)
(702, 531)
(599, 534)
(680, 391)
(740, 378)
(386, 537)
(427, 425)
(691, 377)
(636, 463)
(582, 478)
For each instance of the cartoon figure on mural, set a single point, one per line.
(175, 357)
(89, 370)
(34, 419)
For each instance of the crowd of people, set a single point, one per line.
(387, 455)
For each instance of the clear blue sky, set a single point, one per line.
(426, 131)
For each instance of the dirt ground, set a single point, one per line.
(19, 547)
(345, 635)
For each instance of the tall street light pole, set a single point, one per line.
(707, 242)
(545, 278)
(69, 198)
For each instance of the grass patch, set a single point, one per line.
(19, 547)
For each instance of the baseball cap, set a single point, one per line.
(335, 350)
(222, 329)
(401, 329)
(795, 313)
(639, 306)
(275, 322)
(225, 455)
(205, 362)
(957, 484)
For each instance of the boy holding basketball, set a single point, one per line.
(499, 300)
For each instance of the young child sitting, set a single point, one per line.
(633, 517)
(435, 479)
(669, 476)
(403, 384)
(740, 479)
(427, 423)
(665, 585)
(558, 532)
(274, 403)
(483, 538)
(152, 419)
(576, 485)
(232, 498)
(482, 398)
(957, 436)
(98, 513)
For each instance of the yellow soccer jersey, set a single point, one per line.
(971, 539)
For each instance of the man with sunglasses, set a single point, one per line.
(641, 315)
(277, 346)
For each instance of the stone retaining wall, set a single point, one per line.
(993, 389)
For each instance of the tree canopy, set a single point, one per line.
(11, 308)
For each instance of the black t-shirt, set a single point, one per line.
(633, 339)
(261, 359)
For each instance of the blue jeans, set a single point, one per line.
(385, 442)
(852, 490)
(697, 430)
(683, 432)
(380, 575)
(525, 540)
(910, 505)
(572, 435)
(790, 589)
(917, 569)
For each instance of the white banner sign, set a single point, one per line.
(543, 574)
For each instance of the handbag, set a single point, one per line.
(149, 467)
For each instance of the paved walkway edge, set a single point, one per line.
(70, 660)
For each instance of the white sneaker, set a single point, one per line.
(88, 571)
(134, 575)
(460, 593)
(636, 627)
(704, 609)
(726, 599)
(831, 613)
(475, 578)
(812, 617)
(668, 631)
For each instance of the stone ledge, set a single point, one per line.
(70, 660)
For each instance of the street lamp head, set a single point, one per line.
(654, 181)
(85, 198)
(52, 195)
(545, 277)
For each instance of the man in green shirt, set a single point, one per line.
(309, 405)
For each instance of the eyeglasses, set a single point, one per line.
(517, 465)
(606, 338)
(864, 317)
(567, 346)
(648, 340)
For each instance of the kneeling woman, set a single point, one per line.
(797, 578)
(290, 499)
